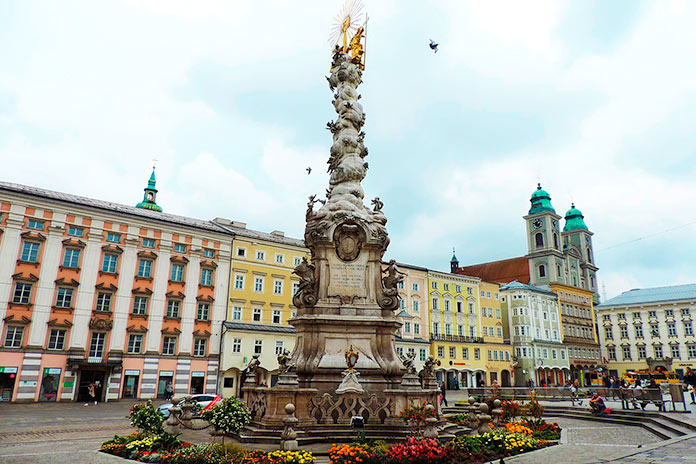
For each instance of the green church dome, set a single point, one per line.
(574, 219)
(541, 201)
(150, 196)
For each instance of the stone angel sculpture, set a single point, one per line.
(306, 292)
(409, 362)
(284, 364)
(391, 281)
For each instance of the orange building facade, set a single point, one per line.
(125, 299)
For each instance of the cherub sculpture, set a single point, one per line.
(392, 279)
(409, 362)
(284, 364)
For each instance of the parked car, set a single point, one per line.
(201, 400)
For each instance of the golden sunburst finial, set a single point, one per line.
(346, 24)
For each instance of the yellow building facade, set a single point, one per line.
(498, 364)
(260, 303)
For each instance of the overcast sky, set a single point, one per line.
(597, 100)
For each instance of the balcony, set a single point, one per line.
(455, 338)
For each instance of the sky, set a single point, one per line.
(596, 100)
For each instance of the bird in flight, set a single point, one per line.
(309, 171)
(433, 45)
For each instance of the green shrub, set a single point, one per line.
(146, 418)
(228, 416)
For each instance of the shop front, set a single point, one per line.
(8, 378)
(198, 383)
(50, 383)
(131, 383)
(92, 376)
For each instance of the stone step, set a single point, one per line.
(655, 429)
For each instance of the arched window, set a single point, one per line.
(558, 271)
(555, 240)
(542, 270)
(539, 239)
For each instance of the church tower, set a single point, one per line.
(150, 196)
(545, 257)
(577, 243)
(454, 262)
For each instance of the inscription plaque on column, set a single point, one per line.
(347, 278)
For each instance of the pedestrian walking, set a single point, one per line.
(443, 394)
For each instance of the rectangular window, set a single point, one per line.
(435, 300)
(96, 345)
(497, 314)
(113, 237)
(180, 248)
(169, 345)
(140, 305)
(237, 345)
(30, 252)
(692, 351)
(685, 311)
(460, 330)
(258, 284)
(400, 285)
(654, 330)
(277, 287)
(295, 287)
(477, 353)
(203, 313)
(206, 277)
(554, 354)
(296, 261)
(145, 268)
(278, 347)
(173, 307)
(407, 327)
(607, 333)
(469, 290)
(688, 329)
(237, 313)
(35, 224)
(445, 287)
(177, 273)
(675, 352)
(257, 315)
(239, 282)
(208, 253)
(434, 285)
(485, 330)
(279, 259)
(436, 328)
(258, 346)
(414, 287)
(13, 336)
(658, 351)
(22, 293)
(416, 329)
(276, 316)
(672, 329)
(416, 306)
(500, 332)
(611, 351)
(148, 243)
(75, 231)
(669, 313)
(639, 331)
(135, 343)
(64, 297)
(56, 341)
(423, 354)
(458, 288)
(471, 308)
(624, 332)
(448, 329)
(440, 351)
(402, 303)
(652, 314)
(452, 352)
(109, 264)
(71, 257)
(199, 346)
(103, 302)
(260, 255)
(400, 351)
(641, 352)
(241, 252)
(465, 353)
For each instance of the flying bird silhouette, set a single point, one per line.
(309, 171)
(433, 45)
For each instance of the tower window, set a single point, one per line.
(555, 240)
(539, 239)
(542, 270)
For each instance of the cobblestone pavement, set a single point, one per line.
(677, 451)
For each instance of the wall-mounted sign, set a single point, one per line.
(27, 383)
(166, 373)
(197, 374)
(8, 370)
(132, 372)
(52, 370)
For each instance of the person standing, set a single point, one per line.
(92, 393)
(690, 381)
(169, 389)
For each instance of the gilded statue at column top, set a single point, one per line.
(346, 35)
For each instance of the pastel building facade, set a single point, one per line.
(261, 286)
(413, 314)
(649, 328)
(126, 299)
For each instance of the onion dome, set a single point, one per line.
(574, 220)
(541, 201)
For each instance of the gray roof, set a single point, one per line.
(111, 207)
(255, 234)
(259, 327)
(652, 295)
(515, 285)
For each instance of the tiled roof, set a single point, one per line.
(653, 295)
(255, 234)
(259, 327)
(404, 314)
(515, 285)
(112, 207)
(503, 271)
